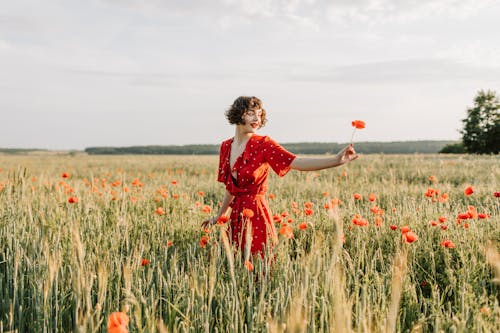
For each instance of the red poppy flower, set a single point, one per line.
(248, 213)
(393, 227)
(448, 244)
(410, 237)
(442, 219)
(405, 229)
(372, 197)
(469, 190)
(483, 216)
(308, 211)
(496, 194)
(357, 196)
(65, 175)
(286, 231)
(223, 219)
(444, 227)
(303, 226)
(206, 209)
(118, 322)
(72, 200)
(145, 262)
(359, 221)
(204, 240)
(160, 211)
(170, 243)
(433, 223)
(248, 265)
(359, 124)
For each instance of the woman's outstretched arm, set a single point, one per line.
(346, 155)
(228, 198)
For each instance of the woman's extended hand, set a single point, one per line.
(209, 222)
(347, 155)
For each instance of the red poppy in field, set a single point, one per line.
(444, 197)
(65, 175)
(136, 182)
(378, 221)
(358, 124)
(118, 322)
(393, 227)
(377, 210)
(170, 243)
(483, 216)
(145, 262)
(173, 182)
(72, 200)
(496, 194)
(308, 211)
(201, 193)
(277, 218)
(303, 226)
(308, 204)
(271, 196)
(444, 227)
(469, 190)
(223, 219)
(433, 178)
(433, 223)
(206, 209)
(357, 196)
(448, 244)
(410, 237)
(405, 229)
(431, 192)
(204, 240)
(372, 197)
(359, 221)
(248, 265)
(286, 231)
(248, 213)
(442, 219)
(160, 211)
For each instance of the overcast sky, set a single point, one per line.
(75, 74)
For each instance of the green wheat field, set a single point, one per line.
(83, 236)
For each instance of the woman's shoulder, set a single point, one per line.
(227, 142)
(264, 139)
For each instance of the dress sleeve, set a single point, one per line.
(222, 172)
(277, 157)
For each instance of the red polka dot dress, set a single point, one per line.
(249, 189)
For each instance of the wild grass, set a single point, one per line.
(65, 267)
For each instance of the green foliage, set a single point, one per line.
(481, 132)
(453, 148)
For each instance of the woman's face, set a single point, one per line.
(252, 120)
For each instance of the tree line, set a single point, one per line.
(398, 147)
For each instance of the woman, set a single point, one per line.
(244, 164)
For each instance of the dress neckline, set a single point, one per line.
(240, 155)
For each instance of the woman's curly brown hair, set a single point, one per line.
(243, 104)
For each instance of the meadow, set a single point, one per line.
(388, 243)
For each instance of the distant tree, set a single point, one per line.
(453, 148)
(481, 132)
